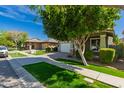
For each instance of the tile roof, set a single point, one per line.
(51, 40)
(40, 41)
(34, 40)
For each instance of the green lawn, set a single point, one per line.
(39, 52)
(16, 54)
(103, 69)
(11, 49)
(54, 77)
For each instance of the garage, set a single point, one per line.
(65, 47)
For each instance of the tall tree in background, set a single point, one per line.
(5, 40)
(116, 40)
(23, 38)
(18, 38)
(76, 23)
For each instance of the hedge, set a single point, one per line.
(107, 55)
(48, 50)
(88, 54)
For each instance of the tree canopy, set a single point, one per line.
(5, 40)
(70, 22)
(18, 38)
(116, 40)
(76, 23)
(13, 38)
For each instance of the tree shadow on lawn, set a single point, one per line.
(53, 76)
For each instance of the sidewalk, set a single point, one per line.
(105, 78)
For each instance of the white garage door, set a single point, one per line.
(65, 47)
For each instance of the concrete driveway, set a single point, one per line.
(8, 78)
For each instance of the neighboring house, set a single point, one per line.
(52, 43)
(39, 44)
(33, 43)
(95, 42)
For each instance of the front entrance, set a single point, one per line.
(95, 44)
(32, 47)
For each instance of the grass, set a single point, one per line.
(54, 77)
(99, 68)
(11, 49)
(16, 54)
(39, 52)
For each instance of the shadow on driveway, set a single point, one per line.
(8, 77)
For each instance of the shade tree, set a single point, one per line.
(76, 23)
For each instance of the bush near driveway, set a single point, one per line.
(48, 50)
(55, 49)
(55, 77)
(39, 52)
(107, 55)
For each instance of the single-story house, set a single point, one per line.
(95, 42)
(51, 43)
(37, 44)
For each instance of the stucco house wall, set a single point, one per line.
(95, 42)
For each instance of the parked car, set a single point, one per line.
(3, 51)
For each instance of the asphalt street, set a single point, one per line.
(8, 78)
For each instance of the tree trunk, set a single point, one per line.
(81, 52)
(16, 46)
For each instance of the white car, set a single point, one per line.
(3, 51)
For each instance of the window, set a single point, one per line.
(94, 44)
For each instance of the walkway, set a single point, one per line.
(106, 78)
(8, 78)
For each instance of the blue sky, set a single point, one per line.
(21, 18)
(120, 25)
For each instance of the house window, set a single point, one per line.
(94, 44)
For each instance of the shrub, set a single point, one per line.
(48, 50)
(39, 52)
(55, 49)
(88, 54)
(119, 50)
(107, 55)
